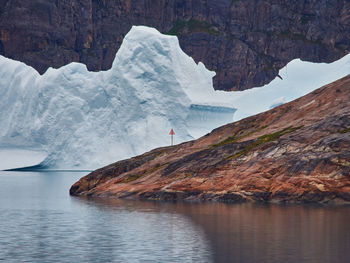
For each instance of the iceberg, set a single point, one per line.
(85, 120)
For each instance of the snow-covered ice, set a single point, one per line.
(85, 120)
(299, 79)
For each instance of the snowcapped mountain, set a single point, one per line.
(85, 120)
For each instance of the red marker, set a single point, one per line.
(172, 133)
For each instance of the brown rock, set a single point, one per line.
(298, 152)
(245, 42)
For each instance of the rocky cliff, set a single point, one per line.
(297, 152)
(245, 42)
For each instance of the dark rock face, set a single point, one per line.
(297, 152)
(245, 42)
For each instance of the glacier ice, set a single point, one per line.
(85, 120)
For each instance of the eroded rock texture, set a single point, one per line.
(298, 152)
(245, 42)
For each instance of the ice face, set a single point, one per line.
(11, 158)
(85, 120)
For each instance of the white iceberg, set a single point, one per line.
(84, 120)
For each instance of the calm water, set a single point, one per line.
(40, 222)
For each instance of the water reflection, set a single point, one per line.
(157, 233)
(40, 222)
(250, 233)
(261, 233)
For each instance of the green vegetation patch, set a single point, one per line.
(287, 34)
(262, 140)
(132, 178)
(155, 168)
(188, 175)
(191, 25)
(345, 130)
(235, 138)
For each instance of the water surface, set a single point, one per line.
(40, 222)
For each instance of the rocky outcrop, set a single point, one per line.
(245, 42)
(297, 152)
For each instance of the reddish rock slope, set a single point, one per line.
(298, 152)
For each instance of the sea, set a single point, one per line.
(40, 222)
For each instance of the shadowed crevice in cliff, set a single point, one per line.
(297, 152)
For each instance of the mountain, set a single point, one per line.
(70, 118)
(297, 152)
(244, 42)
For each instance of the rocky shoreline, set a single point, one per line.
(295, 153)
